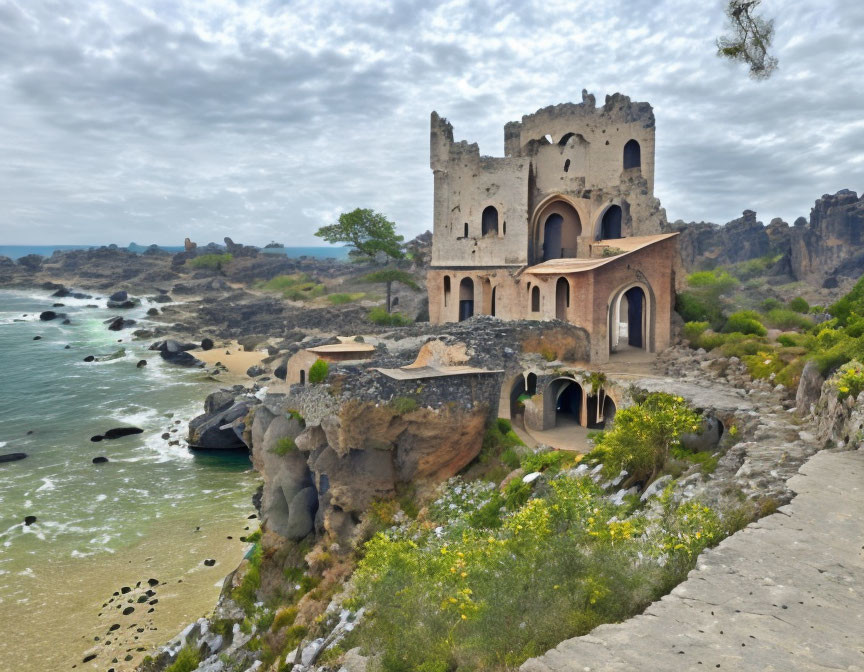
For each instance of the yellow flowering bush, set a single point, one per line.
(457, 591)
(850, 380)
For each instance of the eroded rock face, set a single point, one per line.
(325, 475)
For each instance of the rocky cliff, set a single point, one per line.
(828, 246)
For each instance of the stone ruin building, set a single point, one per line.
(564, 226)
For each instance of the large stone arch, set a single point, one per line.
(574, 220)
(622, 299)
(563, 398)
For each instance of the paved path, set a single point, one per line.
(786, 593)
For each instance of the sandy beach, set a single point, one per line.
(233, 357)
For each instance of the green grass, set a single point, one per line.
(284, 446)
(341, 298)
(246, 594)
(187, 660)
(213, 262)
(295, 287)
(403, 405)
(380, 316)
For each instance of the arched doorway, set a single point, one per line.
(446, 290)
(557, 230)
(489, 221)
(535, 299)
(601, 409)
(562, 298)
(630, 319)
(492, 311)
(466, 299)
(516, 391)
(531, 384)
(302, 377)
(610, 225)
(564, 399)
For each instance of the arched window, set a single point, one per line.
(632, 155)
(466, 298)
(466, 230)
(302, 377)
(489, 221)
(567, 165)
(535, 300)
(610, 226)
(446, 290)
(562, 298)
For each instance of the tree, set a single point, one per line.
(318, 371)
(367, 231)
(750, 38)
(388, 276)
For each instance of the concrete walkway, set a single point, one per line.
(786, 593)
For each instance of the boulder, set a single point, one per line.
(89, 358)
(161, 298)
(218, 401)
(181, 358)
(100, 459)
(707, 439)
(281, 371)
(141, 364)
(255, 371)
(117, 354)
(118, 323)
(152, 312)
(206, 344)
(220, 430)
(120, 296)
(12, 457)
(809, 389)
(119, 432)
(248, 343)
(301, 514)
(48, 315)
(29, 520)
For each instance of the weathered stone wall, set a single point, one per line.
(572, 153)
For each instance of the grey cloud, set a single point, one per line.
(261, 121)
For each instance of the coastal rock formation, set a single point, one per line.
(829, 245)
(222, 424)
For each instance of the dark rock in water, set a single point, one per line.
(47, 315)
(89, 358)
(255, 371)
(37, 338)
(12, 457)
(117, 354)
(114, 305)
(152, 312)
(57, 305)
(29, 520)
(181, 358)
(88, 658)
(118, 323)
(97, 438)
(114, 626)
(66, 321)
(122, 295)
(67, 347)
(141, 364)
(61, 293)
(128, 610)
(209, 562)
(125, 589)
(166, 436)
(220, 431)
(141, 599)
(162, 298)
(206, 343)
(117, 432)
(100, 460)
(152, 582)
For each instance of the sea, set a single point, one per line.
(18, 251)
(155, 509)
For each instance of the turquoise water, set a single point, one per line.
(18, 251)
(51, 403)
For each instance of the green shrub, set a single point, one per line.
(752, 268)
(744, 322)
(380, 316)
(770, 304)
(516, 493)
(718, 281)
(849, 305)
(551, 460)
(799, 305)
(213, 262)
(740, 345)
(284, 617)
(187, 660)
(693, 308)
(784, 318)
(403, 405)
(511, 458)
(246, 594)
(498, 438)
(644, 433)
(341, 298)
(693, 330)
(318, 371)
(284, 446)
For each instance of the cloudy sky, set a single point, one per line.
(151, 120)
